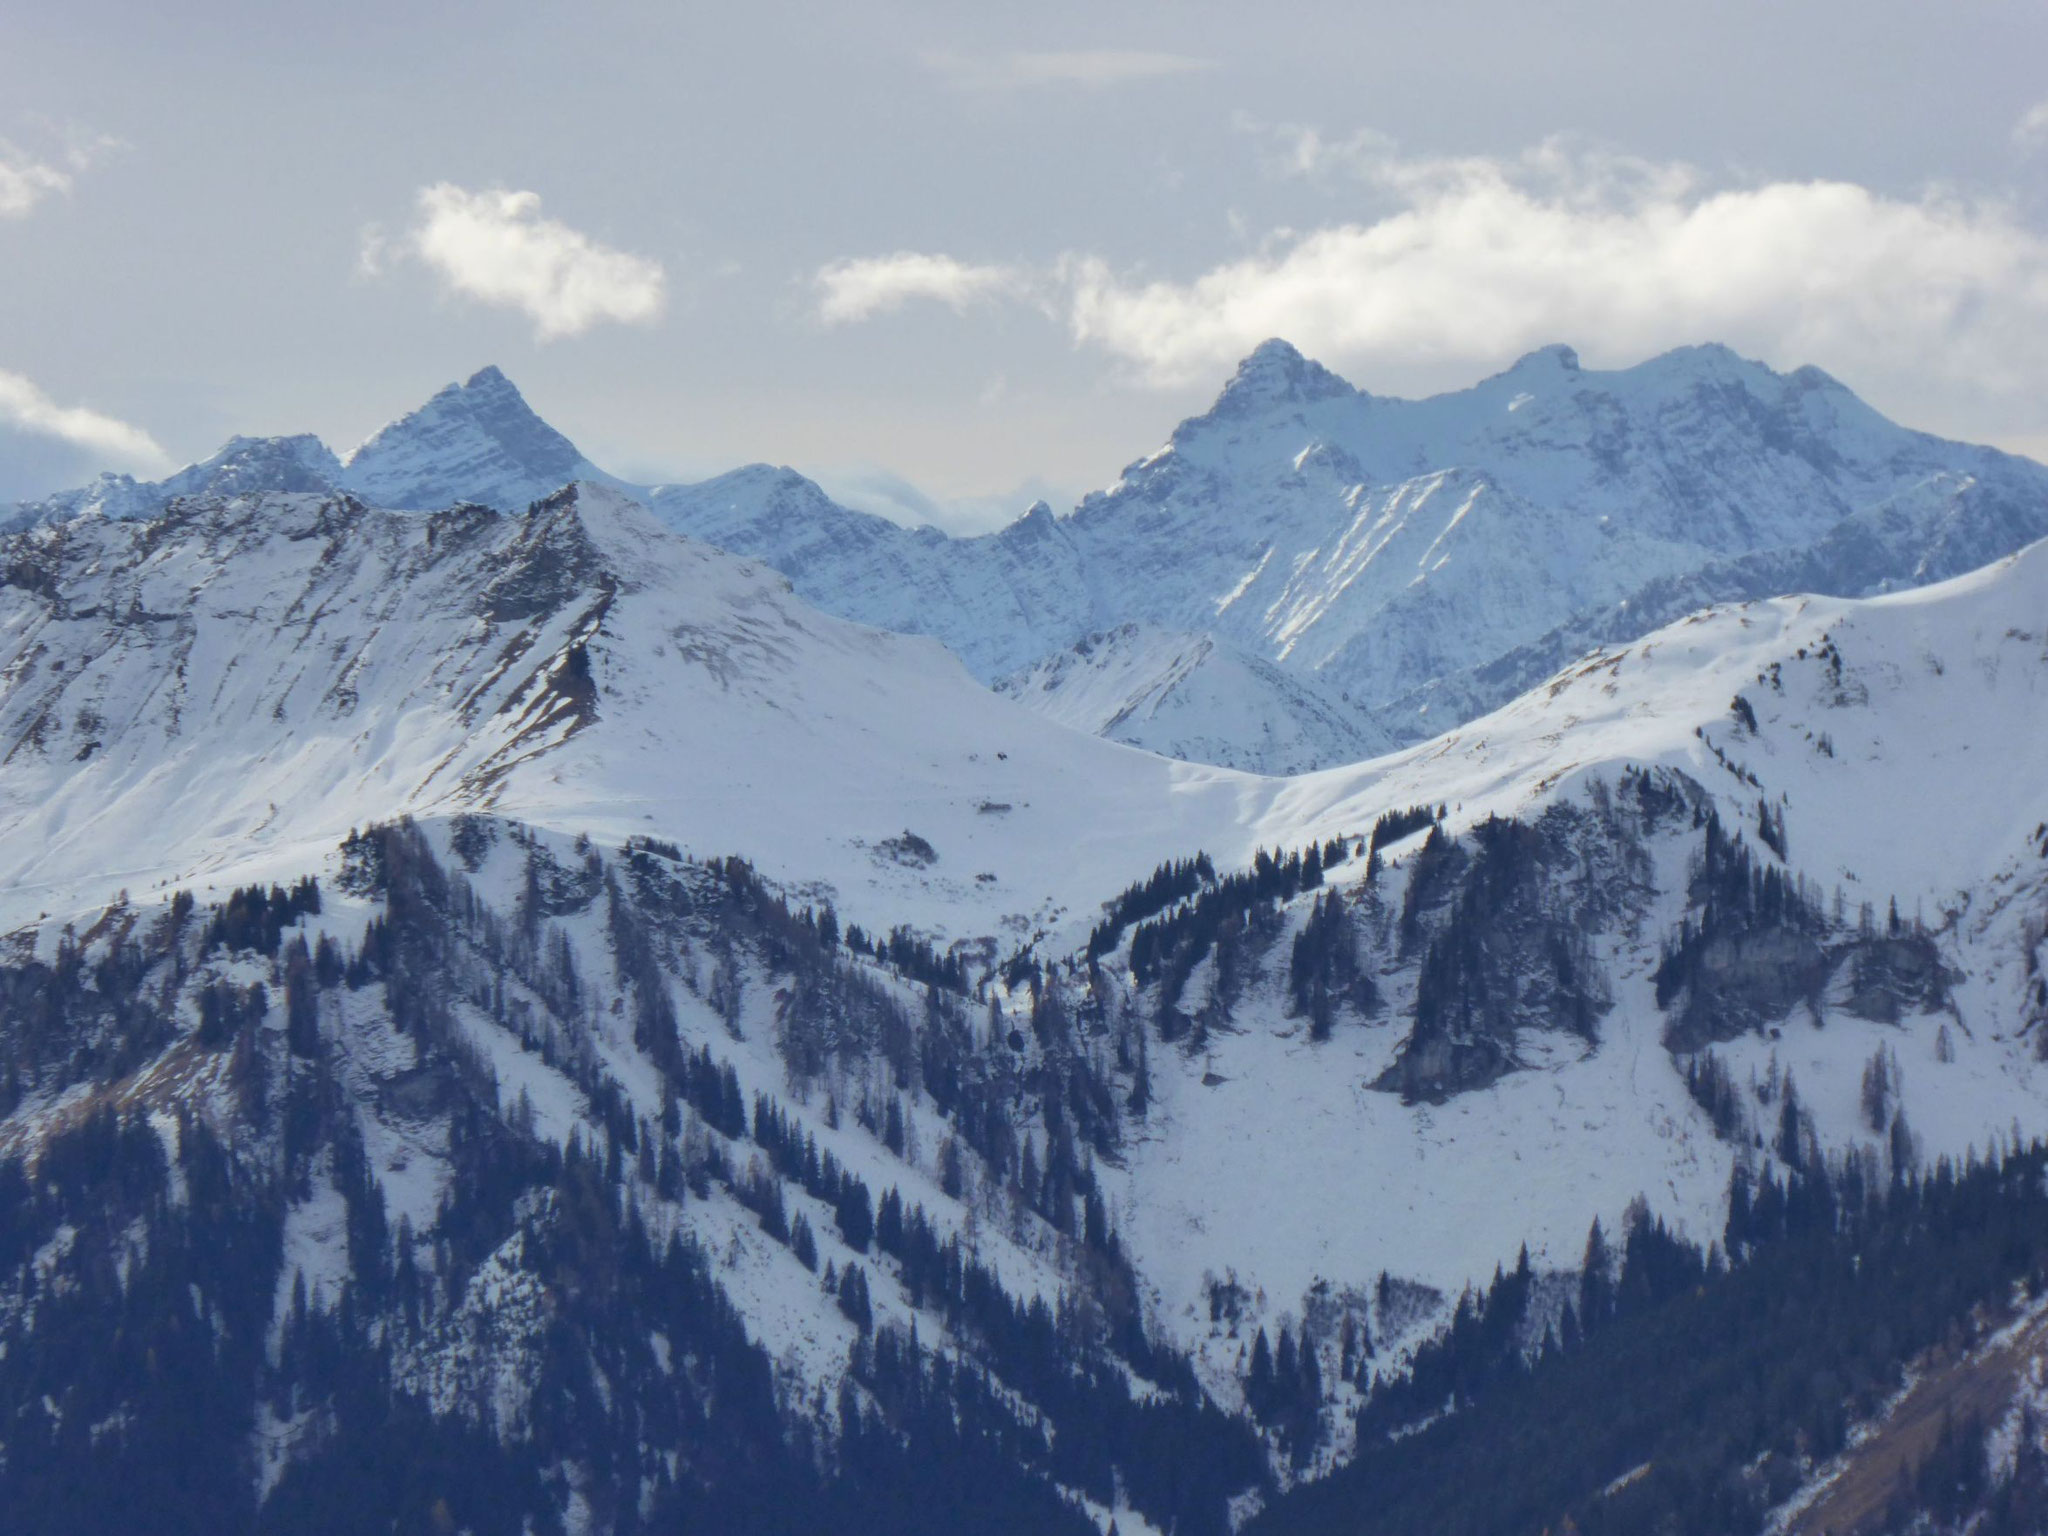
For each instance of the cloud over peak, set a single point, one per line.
(494, 246)
(1468, 259)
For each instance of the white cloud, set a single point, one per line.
(1472, 259)
(2031, 131)
(26, 179)
(24, 182)
(495, 247)
(850, 291)
(1092, 69)
(26, 408)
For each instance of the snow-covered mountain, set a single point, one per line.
(997, 601)
(1380, 542)
(555, 1069)
(478, 442)
(1389, 546)
(244, 466)
(1196, 698)
(245, 679)
(1428, 559)
(225, 693)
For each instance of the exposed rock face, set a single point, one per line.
(1502, 934)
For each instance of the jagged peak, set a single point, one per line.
(1039, 517)
(478, 440)
(1554, 358)
(487, 395)
(1276, 372)
(299, 463)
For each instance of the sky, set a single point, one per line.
(949, 258)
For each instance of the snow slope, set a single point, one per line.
(247, 679)
(1900, 736)
(1197, 698)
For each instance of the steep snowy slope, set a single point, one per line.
(1196, 698)
(1942, 527)
(251, 677)
(1896, 742)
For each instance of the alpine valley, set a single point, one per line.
(1470, 965)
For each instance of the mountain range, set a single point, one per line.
(514, 1016)
(428, 878)
(1408, 564)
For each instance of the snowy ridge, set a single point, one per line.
(1386, 547)
(1377, 542)
(477, 442)
(244, 466)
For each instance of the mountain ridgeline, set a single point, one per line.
(1307, 573)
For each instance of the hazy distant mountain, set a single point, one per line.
(1411, 563)
(477, 442)
(1395, 550)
